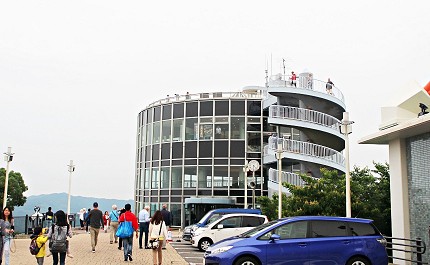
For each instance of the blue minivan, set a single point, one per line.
(303, 240)
(213, 215)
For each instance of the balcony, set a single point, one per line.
(304, 151)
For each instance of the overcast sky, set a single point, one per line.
(75, 74)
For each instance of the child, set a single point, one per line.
(40, 241)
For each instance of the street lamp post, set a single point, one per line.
(279, 152)
(71, 169)
(253, 165)
(346, 129)
(245, 170)
(8, 158)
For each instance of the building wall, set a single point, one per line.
(197, 148)
(418, 168)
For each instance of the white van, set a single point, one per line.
(227, 226)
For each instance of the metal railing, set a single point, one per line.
(305, 148)
(414, 246)
(306, 82)
(320, 118)
(213, 95)
(288, 177)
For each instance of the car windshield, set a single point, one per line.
(206, 216)
(257, 229)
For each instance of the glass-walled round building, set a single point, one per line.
(192, 149)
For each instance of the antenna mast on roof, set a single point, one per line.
(283, 64)
(267, 73)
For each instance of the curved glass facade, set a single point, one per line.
(196, 147)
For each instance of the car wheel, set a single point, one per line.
(247, 261)
(204, 243)
(358, 261)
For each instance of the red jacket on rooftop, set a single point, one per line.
(129, 217)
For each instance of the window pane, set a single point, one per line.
(232, 222)
(237, 128)
(206, 131)
(254, 142)
(250, 221)
(167, 112)
(237, 107)
(191, 149)
(149, 116)
(191, 110)
(190, 177)
(221, 149)
(328, 228)
(149, 134)
(205, 149)
(206, 108)
(177, 150)
(176, 177)
(147, 179)
(292, 230)
(164, 182)
(205, 177)
(155, 178)
(237, 149)
(178, 130)
(157, 113)
(156, 133)
(221, 108)
(221, 177)
(165, 151)
(178, 111)
(166, 132)
(156, 152)
(237, 177)
(362, 229)
(221, 131)
(191, 129)
(254, 108)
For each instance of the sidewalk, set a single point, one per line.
(106, 253)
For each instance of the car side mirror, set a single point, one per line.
(220, 226)
(274, 237)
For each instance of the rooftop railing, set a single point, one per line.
(286, 112)
(306, 82)
(213, 95)
(306, 148)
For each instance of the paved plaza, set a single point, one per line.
(106, 253)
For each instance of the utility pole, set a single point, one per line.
(71, 169)
(346, 129)
(8, 158)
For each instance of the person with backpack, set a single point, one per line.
(57, 235)
(37, 244)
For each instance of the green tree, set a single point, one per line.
(16, 188)
(370, 196)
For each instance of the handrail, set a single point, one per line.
(306, 82)
(288, 177)
(197, 96)
(301, 114)
(419, 248)
(305, 148)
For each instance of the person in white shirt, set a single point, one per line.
(144, 225)
(157, 229)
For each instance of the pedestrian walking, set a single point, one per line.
(157, 230)
(106, 221)
(113, 216)
(167, 218)
(127, 242)
(144, 226)
(96, 221)
(82, 217)
(120, 239)
(87, 220)
(57, 235)
(40, 241)
(9, 232)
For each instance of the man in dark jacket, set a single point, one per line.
(96, 221)
(167, 218)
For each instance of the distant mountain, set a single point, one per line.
(58, 201)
